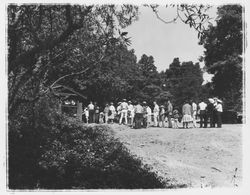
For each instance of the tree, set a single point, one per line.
(47, 42)
(114, 78)
(222, 56)
(151, 86)
(183, 80)
(146, 64)
(193, 15)
(47, 45)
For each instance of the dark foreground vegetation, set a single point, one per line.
(60, 153)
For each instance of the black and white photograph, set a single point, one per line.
(124, 96)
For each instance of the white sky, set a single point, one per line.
(165, 42)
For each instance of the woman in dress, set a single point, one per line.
(187, 114)
(149, 116)
(111, 113)
(162, 116)
(106, 113)
(156, 114)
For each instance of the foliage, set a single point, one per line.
(184, 81)
(89, 158)
(113, 78)
(34, 124)
(191, 14)
(49, 43)
(223, 50)
(50, 151)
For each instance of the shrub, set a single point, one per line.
(88, 157)
(51, 151)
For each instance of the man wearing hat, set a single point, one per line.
(215, 111)
(219, 111)
(124, 111)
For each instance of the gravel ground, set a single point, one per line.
(197, 157)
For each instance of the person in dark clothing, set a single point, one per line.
(97, 114)
(94, 115)
(138, 115)
(169, 112)
(144, 112)
(210, 112)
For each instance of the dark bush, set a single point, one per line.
(229, 117)
(49, 151)
(89, 157)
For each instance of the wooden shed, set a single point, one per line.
(67, 94)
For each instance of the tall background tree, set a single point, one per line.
(223, 45)
(183, 80)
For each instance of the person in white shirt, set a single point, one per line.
(149, 116)
(194, 113)
(124, 112)
(203, 114)
(131, 113)
(91, 112)
(86, 113)
(118, 109)
(219, 112)
(156, 114)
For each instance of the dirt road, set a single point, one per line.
(196, 157)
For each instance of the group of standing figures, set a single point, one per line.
(140, 115)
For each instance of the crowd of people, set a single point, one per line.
(140, 115)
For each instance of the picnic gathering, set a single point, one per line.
(139, 114)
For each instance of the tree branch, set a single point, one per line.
(160, 18)
(73, 74)
(49, 44)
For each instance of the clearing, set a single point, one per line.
(197, 157)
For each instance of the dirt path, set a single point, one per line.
(195, 157)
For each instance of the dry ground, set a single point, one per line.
(196, 157)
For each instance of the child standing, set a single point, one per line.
(101, 117)
(176, 118)
(86, 113)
